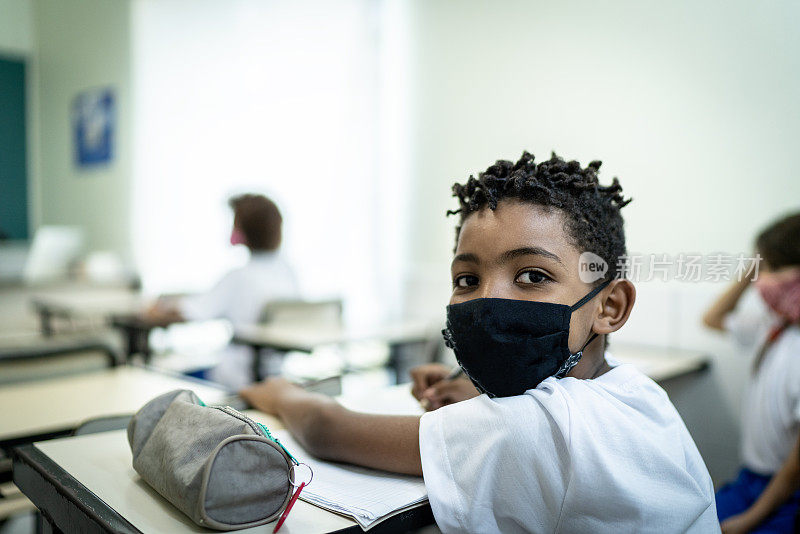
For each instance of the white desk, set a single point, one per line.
(102, 463)
(90, 302)
(93, 473)
(658, 363)
(61, 404)
(95, 305)
(307, 337)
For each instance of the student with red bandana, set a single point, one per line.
(765, 497)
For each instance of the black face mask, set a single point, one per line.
(507, 347)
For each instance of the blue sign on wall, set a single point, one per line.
(93, 119)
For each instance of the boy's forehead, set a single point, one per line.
(515, 224)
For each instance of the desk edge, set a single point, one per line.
(32, 467)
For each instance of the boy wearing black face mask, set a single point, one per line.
(561, 440)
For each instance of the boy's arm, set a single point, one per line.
(782, 485)
(715, 316)
(328, 430)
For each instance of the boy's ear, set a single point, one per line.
(616, 306)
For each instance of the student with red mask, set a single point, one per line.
(764, 497)
(241, 294)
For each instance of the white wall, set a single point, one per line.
(275, 98)
(82, 45)
(692, 105)
(285, 98)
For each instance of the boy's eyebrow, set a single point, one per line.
(530, 251)
(511, 254)
(468, 257)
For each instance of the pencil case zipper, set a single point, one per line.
(258, 428)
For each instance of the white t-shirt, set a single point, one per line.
(240, 297)
(609, 454)
(771, 400)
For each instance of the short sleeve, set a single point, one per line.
(213, 304)
(486, 461)
(749, 322)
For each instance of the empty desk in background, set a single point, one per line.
(33, 357)
(307, 337)
(89, 304)
(87, 483)
(660, 363)
(54, 407)
(118, 308)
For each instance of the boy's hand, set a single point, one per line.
(424, 376)
(433, 391)
(265, 395)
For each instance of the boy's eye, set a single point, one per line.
(531, 277)
(466, 280)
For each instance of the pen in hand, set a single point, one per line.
(455, 373)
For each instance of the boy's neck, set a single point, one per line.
(593, 362)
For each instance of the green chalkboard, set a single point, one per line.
(13, 158)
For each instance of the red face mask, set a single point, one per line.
(781, 292)
(237, 237)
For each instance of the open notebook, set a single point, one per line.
(366, 495)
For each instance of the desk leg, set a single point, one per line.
(130, 343)
(257, 356)
(137, 341)
(404, 356)
(144, 344)
(46, 322)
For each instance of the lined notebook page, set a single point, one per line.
(366, 495)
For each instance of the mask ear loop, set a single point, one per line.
(590, 295)
(573, 359)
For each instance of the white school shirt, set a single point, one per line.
(771, 400)
(240, 297)
(609, 454)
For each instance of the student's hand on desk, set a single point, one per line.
(264, 395)
(433, 391)
(159, 313)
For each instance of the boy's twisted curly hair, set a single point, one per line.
(592, 211)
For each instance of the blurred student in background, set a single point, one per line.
(241, 294)
(764, 496)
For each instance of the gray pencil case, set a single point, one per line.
(216, 465)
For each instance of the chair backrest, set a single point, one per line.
(322, 312)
